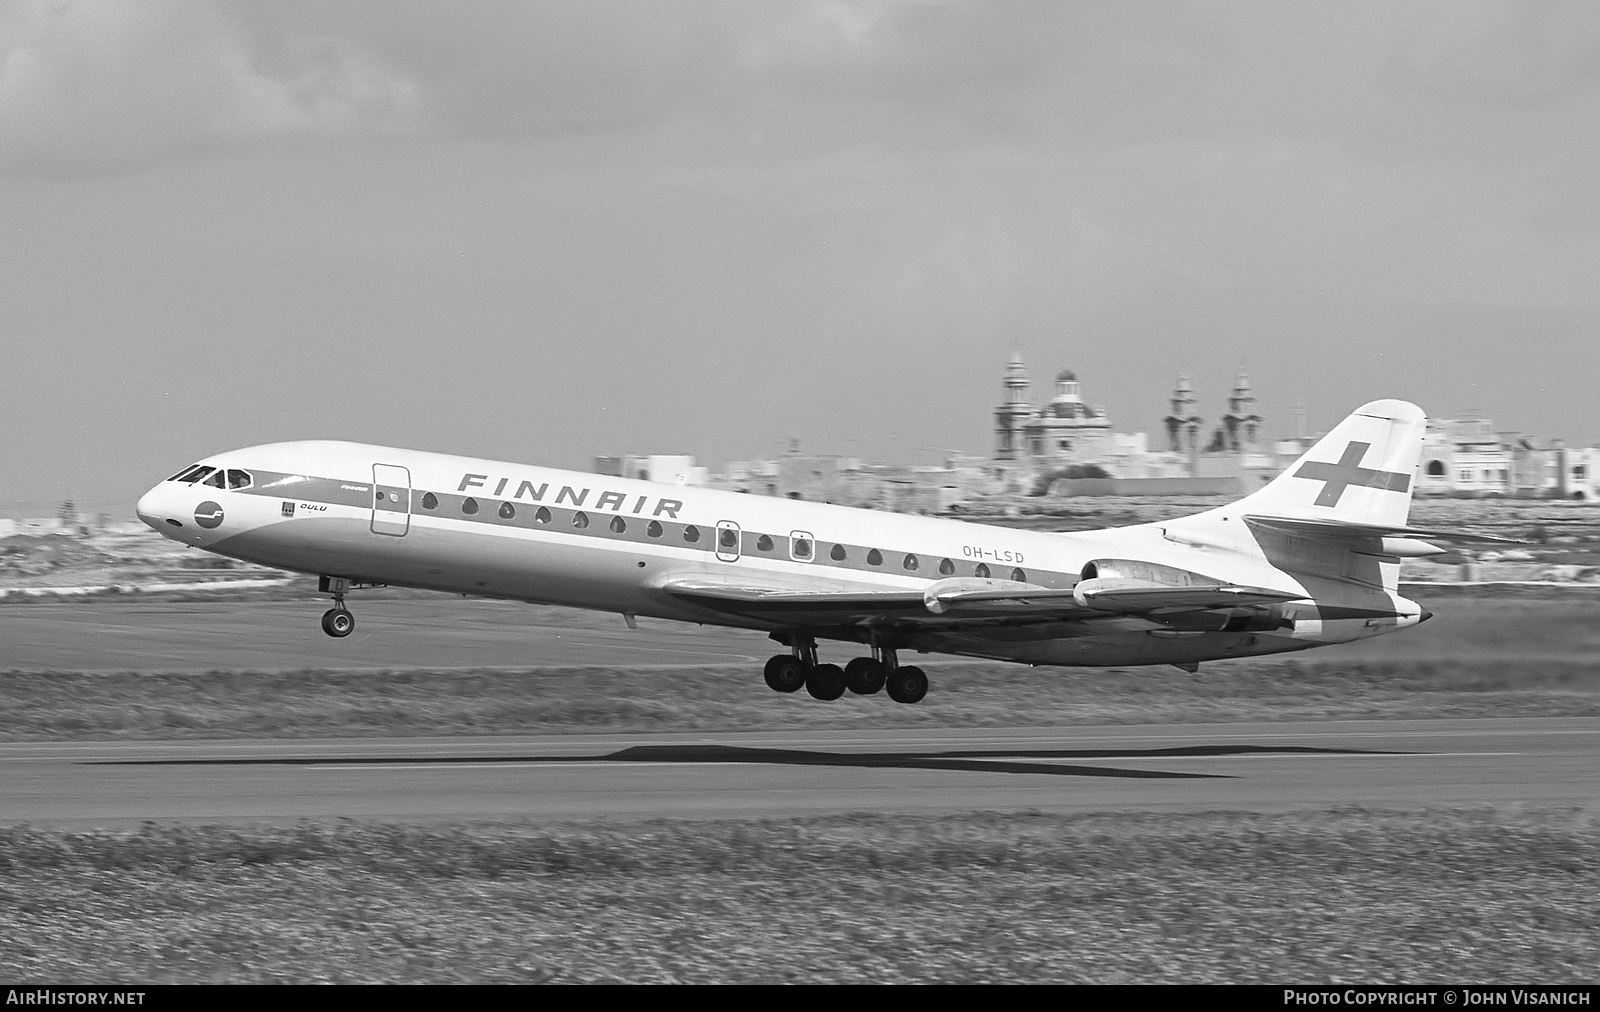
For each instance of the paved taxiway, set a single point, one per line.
(1243, 767)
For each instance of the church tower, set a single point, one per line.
(1013, 412)
(1241, 423)
(1183, 423)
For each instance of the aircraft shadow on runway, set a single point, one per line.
(976, 761)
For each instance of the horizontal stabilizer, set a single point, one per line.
(1339, 530)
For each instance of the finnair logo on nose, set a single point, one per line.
(208, 514)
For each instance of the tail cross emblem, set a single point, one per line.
(1340, 476)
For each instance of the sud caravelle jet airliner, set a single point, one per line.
(1311, 558)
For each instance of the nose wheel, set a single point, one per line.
(337, 621)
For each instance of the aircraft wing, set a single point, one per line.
(1341, 530)
(936, 606)
(969, 602)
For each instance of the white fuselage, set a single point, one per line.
(514, 531)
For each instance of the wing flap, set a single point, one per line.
(754, 599)
(956, 602)
(943, 604)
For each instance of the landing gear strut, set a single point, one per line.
(336, 621)
(863, 676)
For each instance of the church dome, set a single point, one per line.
(1066, 376)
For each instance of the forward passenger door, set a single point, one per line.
(391, 500)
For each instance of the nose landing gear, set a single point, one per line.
(337, 621)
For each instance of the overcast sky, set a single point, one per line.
(549, 231)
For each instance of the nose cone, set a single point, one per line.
(146, 509)
(1426, 614)
(153, 509)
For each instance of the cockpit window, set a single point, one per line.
(238, 478)
(184, 471)
(215, 481)
(195, 473)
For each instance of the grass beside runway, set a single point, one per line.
(1347, 895)
(49, 706)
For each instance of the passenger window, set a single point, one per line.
(430, 501)
(215, 481)
(800, 546)
(837, 554)
(541, 516)
(691, 534)
(764, 543)
(507, 511)
(982, 572)
(238, 479)
(874, 557)
(1019, 576)
(911, 562)
(580, 520)
(947, 568)
(654, 530)
(618, 525)
(729, 537)
(469, 505)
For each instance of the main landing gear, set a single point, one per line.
(862, 676)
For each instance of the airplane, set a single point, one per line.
(1309, 559)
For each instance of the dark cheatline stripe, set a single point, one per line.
(525, 511)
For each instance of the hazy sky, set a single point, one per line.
(549, 231)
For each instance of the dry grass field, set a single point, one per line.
(1341, 896)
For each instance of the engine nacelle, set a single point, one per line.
(1152, 573)
(1198, 612)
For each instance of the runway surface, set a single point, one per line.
(1242, 767)
(1248, 767)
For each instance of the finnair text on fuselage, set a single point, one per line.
(616, 502)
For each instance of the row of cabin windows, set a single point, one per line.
(727, 537)
(216, 477)
(542, 515)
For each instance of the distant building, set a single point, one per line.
(1065, 430)
(1467, 457)
(1069, 446)
(670, 469)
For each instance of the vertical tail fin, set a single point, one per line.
(1361, 472)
